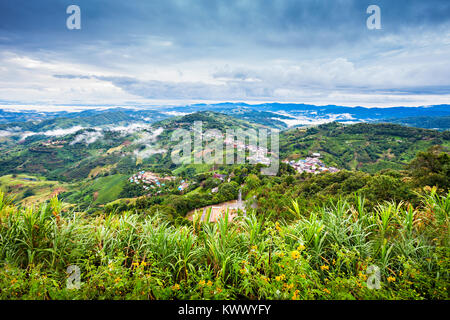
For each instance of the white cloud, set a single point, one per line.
(87, 137)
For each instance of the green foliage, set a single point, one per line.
(323, 255)
(431, 168)
(368, 147)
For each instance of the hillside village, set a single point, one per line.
(150, 180)
(311, 164)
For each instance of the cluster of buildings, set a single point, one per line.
(257, 154)
(149, 180)
(183, 185)
(55, 143)
(311, 164)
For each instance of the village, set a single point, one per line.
(257, 154)
(150, 180)
(311, 164)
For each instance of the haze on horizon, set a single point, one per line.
(182, 52)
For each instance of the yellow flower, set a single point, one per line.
(288, 286)
(362, 276)
(324, 267)
(176, 287)
(277, 226)
(391, 279)
(281, 277)
(301, 247)
(295, 254)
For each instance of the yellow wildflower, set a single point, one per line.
(277, 226)
(281, 277)
(391, 279)
(288, 286)
(176, 287)
(295, 254)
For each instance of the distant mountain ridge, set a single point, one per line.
(278, 115)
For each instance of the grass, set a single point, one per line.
(325, 254)
(38, 189)
(108, 188)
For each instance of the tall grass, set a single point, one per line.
(322, 255)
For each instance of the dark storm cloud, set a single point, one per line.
(209, 23)
(226, 49)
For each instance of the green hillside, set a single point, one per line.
(362, 146)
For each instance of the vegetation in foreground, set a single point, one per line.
(323, 254)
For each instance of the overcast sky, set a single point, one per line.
(183, 51)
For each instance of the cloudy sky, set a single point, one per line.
(182, 51)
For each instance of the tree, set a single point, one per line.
(228, 191)
(252, 181)
(28, 193)
(165, 211)
(431, 168)
(178, 203)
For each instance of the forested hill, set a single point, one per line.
(362, 146)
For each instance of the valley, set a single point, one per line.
(228, 227)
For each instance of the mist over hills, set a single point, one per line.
(276, 115)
